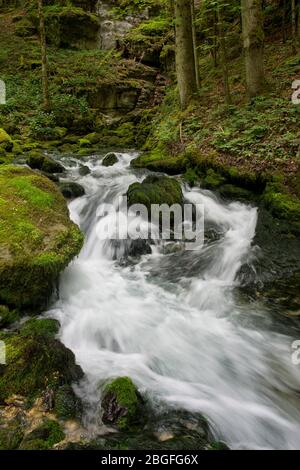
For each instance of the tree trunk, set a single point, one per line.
(45, 85)
(195, 44)
(223, 54)
(185, 58)
(253, 37)
(294, 27)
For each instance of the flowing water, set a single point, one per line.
(176, 322)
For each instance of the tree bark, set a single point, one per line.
(294, 27)
(253, 38)
(195, 44)
(223, 54)
(185, 58)
(45, 84)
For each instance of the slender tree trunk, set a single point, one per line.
(185, 58)
(215, 39)
(253, 37)
(283, 25)
(46, 100)
(223, 54)
(195, 44)
(294, 27)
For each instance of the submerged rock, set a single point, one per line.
(121, 404)
(71, 190)
(37, 238)
(110, 159)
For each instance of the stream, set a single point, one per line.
(177, 322)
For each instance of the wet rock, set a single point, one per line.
(155, 190)
(38, 161)
(71, 190)
(38, 241)
(36, 361)
(121, 404)
(67, 404)
(110, 159)
(84, 170)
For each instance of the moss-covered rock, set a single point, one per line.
(155, 190)
(67, 404)
(282, 204)
(6, 142)
(38, 161)
(43, 437)
(37, 238)
(213, 180)
(36, 360)
(69, 26)
(155, 162)
(71, 190)
(121, 404)
(110, 159)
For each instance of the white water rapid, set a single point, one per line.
(175, 323)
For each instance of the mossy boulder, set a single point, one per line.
(37, 238)
(110, 159)
(121, 403)
(6, 142)
(155, 162)
(35, 360)
(38, 161)
(69, 26)
(155, 190)
(44, 436)
(71, 190)
(282, 204)
(213, 180)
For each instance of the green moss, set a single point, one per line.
(155, 190)
(67, 404)
(8, 316)
(44, 436)
(35, 360)
(37, 238)
(38, 161)
(6, 142)
(213, 180)
(282, 204)
(11, 435)
(123, 392)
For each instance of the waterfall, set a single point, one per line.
(175, 323)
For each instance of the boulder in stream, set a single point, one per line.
(110, 159)
(71, 190)
(121, 404)
(37, 238)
